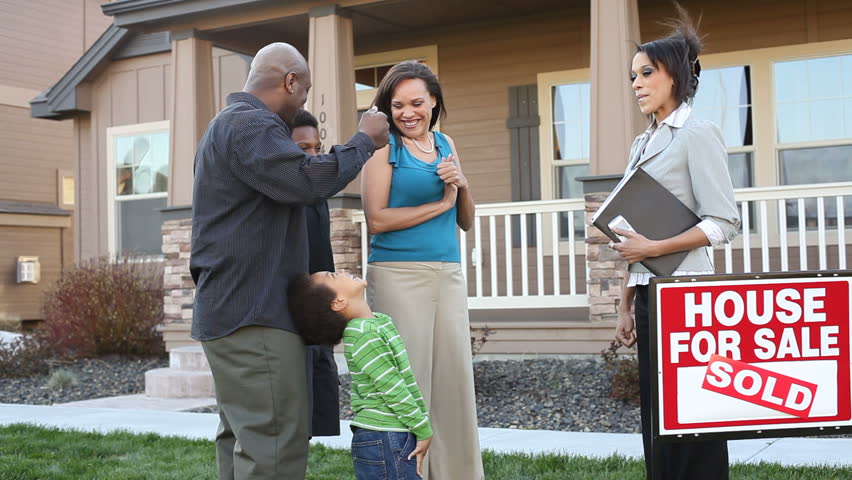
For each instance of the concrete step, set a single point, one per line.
(191, 357)
(174, 383)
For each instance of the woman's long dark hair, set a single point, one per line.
(406, 70)
(678, 54)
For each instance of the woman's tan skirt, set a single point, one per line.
(428, 304)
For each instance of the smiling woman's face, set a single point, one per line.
(411, 108)
(653, 85)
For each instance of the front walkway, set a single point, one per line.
(786, 451)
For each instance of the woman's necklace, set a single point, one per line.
(431, 145)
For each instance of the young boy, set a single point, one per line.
(390, 425)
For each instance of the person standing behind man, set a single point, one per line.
(323, 381)
(248, 238)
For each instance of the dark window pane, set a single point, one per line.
(740, 168)
(817, 165)
(381, 72)
(365, 78)
(568, 187)
(139, 225)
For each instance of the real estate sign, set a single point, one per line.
(752, 355)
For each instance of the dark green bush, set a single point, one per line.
(625, 373)
(105, 306)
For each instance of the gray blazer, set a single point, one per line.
(692, 163)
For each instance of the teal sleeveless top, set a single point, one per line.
(413, 183)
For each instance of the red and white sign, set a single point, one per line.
(754, 354)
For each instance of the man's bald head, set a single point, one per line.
(280, 77)
(271, 65)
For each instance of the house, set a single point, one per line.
(539, 106)
(40, 42)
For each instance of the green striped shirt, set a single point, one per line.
(384, 394)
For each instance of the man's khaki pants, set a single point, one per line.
(261, 390)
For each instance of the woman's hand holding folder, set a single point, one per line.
(635, 247)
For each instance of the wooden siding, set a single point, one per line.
(40, 42)
(42, 39)
(32, 151)
(128, 92)
(479, 62)
(24, 301)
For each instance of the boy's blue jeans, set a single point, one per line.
(383, 455)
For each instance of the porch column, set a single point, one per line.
(332, 101)
(330, 57)
(191, 109)
(616, 121)
(615, 116)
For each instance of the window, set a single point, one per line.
(564, 103)
(569, 158)
(724, 97)
(139, 174)
(813, 105)
(371, 69)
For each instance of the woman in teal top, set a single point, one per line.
(415, 182)
(415, 195)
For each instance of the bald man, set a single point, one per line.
(248, 237)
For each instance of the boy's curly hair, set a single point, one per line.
(310, 306)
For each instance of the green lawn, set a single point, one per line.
(31, 453)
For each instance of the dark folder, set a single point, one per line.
(651, 210)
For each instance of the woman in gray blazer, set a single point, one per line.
(688, 157)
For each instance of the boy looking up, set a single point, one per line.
(390, 425)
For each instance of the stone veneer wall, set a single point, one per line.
(345, 241)
(606, 267)
(179, 289)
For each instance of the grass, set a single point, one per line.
(34, 453)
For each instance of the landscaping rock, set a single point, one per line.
(96, 378)
(567, 395)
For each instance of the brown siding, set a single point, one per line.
(42, 40)
(230, 71)
(478, 63)
(128, 92)
(32, 151)
(23, 301)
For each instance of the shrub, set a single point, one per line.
(625, 373)
(105, 306)
(24, 357)
(61, 379)
(477, 342)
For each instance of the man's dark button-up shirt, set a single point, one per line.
(248, 220)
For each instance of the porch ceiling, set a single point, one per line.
(393, 17)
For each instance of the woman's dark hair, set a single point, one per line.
(304, 118)
(678, 54)
(310, 306)
(406, 70)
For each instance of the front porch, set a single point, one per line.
(543, 282)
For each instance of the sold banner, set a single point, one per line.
(753, 353)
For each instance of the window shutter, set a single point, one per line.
(523, 125)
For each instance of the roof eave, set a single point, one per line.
(132, 13)
(60, 100)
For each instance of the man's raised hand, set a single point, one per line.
(375, 124)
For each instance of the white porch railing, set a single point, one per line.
(819, 215)
(532, 254)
